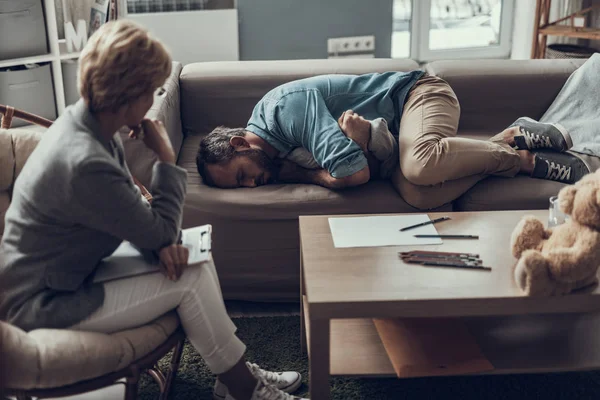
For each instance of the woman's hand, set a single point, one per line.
(173, 259)
(156, 138)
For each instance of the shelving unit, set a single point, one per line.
(189, 35)
(56, 56)
(544, 28)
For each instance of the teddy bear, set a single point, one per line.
(565, 258)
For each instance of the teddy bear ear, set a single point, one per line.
(566, 197)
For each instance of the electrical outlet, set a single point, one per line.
(363, 46)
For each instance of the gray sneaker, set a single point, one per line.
(540, 135)
(560, 167)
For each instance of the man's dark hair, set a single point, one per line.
(216, 149)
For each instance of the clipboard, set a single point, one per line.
(128, 261)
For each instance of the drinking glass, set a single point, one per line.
(556, 216)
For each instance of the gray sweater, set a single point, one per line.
(73, 204)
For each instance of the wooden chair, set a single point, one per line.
(50, 363)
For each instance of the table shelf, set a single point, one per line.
(514, 344)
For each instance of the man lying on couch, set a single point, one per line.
(332, 117)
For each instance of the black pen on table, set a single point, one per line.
(425, 223)
(447, 236)
(452, 265)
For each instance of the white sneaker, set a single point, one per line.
(287, 382)
(264, 391)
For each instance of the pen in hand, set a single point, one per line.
(425, 223)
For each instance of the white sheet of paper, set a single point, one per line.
(378, 231)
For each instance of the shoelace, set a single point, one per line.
(558, 172)
(534, 140)
(268, 376)
(268, 392)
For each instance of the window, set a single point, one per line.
(427, 30)
(152, 6)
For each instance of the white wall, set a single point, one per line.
(524, 14)
(193, 36)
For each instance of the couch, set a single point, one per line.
(255, 231)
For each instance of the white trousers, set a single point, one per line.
(196, 296)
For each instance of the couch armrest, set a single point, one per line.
(494, 93)
(166, 108)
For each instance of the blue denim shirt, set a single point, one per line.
(304, 113)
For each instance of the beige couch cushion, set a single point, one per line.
(519, 193)
(46, 358)
(24, 142)
(15, 147)
(225, 93)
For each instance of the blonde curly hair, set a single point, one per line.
(121, 62)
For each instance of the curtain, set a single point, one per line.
(560, 9)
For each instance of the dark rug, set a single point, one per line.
(274, 343)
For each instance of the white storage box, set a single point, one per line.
(30, 89)
(22, 29)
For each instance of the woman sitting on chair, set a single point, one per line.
(75, 202)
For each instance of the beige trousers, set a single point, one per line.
(436, 166)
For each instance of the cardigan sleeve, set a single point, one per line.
(109, 202)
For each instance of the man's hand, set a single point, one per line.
(173, 259)
(356, 128)
(290, 172)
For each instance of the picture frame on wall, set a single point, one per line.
(98, 15)
(95, 13)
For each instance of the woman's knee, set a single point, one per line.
(199, 277)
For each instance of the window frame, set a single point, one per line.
(420, 25)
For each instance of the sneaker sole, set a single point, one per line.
(563, 131)
(589, 167)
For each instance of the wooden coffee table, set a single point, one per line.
(344, 289)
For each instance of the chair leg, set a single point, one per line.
(159, 377)
(175, 360)
(131, 387)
